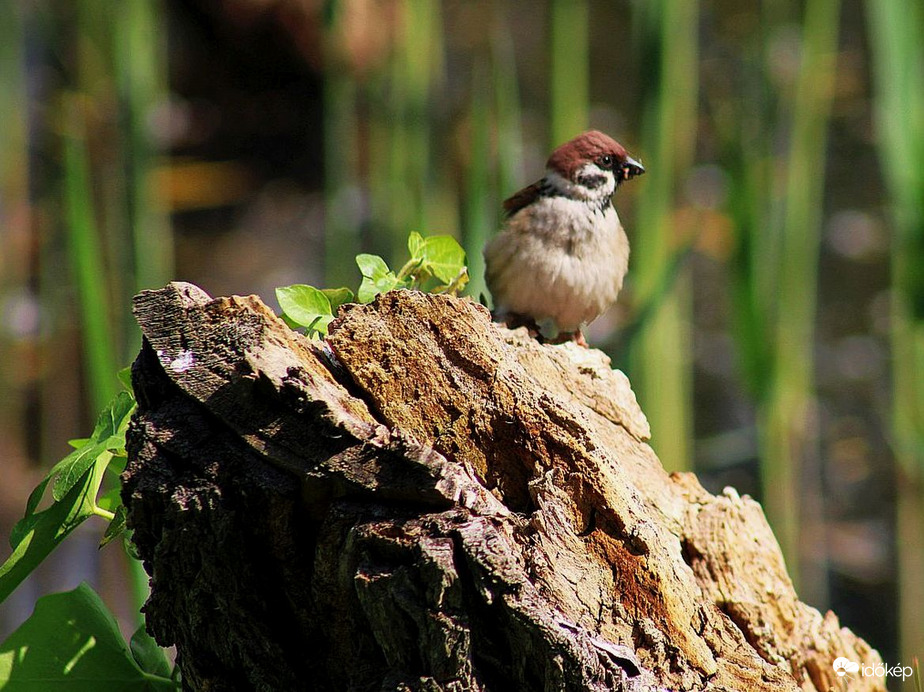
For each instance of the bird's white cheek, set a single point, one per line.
(594, 183)
(578, 192)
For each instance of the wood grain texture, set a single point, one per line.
(427, 501)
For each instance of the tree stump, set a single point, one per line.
(429, 501)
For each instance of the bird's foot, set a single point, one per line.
(577, 336)
(513, 320)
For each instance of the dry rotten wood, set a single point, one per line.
(427, 501)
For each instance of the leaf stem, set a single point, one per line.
(105, 514)
(456, 285)
(410, 267)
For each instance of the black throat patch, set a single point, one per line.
(544, 188)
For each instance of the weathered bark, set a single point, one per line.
(427, 501)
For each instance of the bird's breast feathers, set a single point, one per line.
(558, 259)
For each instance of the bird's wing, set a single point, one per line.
(523, 198)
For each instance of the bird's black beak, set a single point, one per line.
(630, 168)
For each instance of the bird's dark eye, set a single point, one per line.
(605, 161)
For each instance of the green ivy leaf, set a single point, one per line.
(130, 548)
(377, 278)
(439, 255)
(372, 266)
(110, 500)
(338, 297)
(78, 462)
(108, 438)
(72, 641)
(38, 533)
(307, 306)
(125, 377)
(148, 654)
(116, 526)
(415, 242)
(290, 323)
(116, 467)
(77, 480)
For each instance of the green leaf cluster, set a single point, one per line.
(73, 641)
(71, 638)
(75, 483)
(436, 264)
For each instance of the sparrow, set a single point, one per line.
(561, 256)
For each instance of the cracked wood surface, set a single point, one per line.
(428, 501)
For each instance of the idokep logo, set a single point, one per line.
(843, 666)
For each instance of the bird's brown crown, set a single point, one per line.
(584, 148)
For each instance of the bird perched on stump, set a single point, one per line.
(560, 258)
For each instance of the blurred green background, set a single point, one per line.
(773, 321)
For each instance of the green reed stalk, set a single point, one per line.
(13, 163)
(506, 177)
(898, 75)
(86, 260)
(14, 178)
(140, 63)
(788, 434)
(570, 69)
(507, 114)
(660, 353)
(139, 71)
(341, 160)
(415, 69)
(478, 217)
